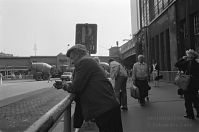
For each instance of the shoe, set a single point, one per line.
(124, 108)
(189, 117)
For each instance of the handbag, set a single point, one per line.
(182, 80)
(135, 92)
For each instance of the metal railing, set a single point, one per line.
(47, 121)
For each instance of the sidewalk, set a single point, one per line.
(163, 113)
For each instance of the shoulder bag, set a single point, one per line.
(182, 80)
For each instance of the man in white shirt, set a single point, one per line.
(140, 78)
(119, 75)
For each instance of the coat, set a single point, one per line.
(190, 67)
(94, 90)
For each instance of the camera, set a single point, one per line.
(58, 84)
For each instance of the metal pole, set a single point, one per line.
(67, 119)
(140, 9)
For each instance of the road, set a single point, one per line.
(163, 113)
(23, 102)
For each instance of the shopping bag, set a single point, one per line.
(135, 92)
(182, 81)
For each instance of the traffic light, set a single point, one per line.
(86, 34)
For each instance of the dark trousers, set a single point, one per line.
(78, 118)
(191, 100)
(120, 90)
(143, 89)
(110, 121)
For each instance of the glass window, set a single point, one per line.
(196, 24)
(160, 5)
(166, 2)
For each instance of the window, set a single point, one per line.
(196, 24)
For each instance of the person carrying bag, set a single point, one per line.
(189, 64)
(182, 79)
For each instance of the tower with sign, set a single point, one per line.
(86, 34)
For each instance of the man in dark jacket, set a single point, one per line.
(95, 92)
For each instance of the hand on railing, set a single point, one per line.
(62, 85)
(58, 84)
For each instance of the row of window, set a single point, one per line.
(159, 49)
(150, 9)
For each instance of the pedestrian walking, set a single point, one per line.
(155, 71)
(140, 78)
(119, 75)
(1, 76)
(189, 64)
(95, 92)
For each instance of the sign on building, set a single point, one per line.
(86, 34)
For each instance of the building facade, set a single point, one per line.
(21, 65)
(171, 27)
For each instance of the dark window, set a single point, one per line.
(157, 48)
(162, 61)
(168, 50)
(196, 24)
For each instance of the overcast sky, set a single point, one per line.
(50, 24)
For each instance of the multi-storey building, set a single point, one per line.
(167, 28)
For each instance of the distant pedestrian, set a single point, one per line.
(95, 92)
(189, 64)
(155, 71)
(1, 76)
(119, 75)
(49, 78)
(140, 78)
(20, 76)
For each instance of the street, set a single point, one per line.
(25, 102)
(163, 113)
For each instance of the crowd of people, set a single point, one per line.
(100, 94)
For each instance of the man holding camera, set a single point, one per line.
(95, 92)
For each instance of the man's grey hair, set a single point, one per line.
(140, 56)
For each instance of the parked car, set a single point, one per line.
(68, 76)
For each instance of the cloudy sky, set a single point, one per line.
(50, 24)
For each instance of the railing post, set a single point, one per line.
(67, 119)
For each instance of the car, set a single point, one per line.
(67, 76)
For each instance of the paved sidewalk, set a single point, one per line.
(163, 113)
(19, 115)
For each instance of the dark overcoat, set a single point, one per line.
(93, 89)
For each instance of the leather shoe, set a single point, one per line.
(189, 117)
(124, 108)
